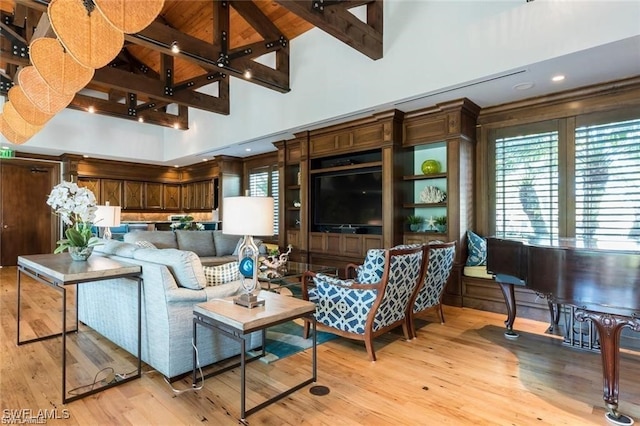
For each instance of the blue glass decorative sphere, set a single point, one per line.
(246, 267)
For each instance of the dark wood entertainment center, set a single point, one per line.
(388, 142)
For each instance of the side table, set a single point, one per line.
(59, 271)
(235, 321)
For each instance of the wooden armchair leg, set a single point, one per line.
(406, 330)
(441, 313)
(369, 345)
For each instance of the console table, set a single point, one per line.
(236, 321)
(59, 271)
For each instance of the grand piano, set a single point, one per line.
(600, 279)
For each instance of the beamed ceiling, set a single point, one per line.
(218, 40)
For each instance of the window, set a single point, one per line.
(607, 180)
(263, 182)
(527, 185)
(592, 191)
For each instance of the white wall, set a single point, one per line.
(428, 45)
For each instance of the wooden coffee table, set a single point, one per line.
(236, 321)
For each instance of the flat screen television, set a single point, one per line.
(346, 198)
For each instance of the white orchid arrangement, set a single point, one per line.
(76, 207)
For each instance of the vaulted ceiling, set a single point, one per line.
(217, 40)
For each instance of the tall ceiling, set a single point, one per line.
(218, 40)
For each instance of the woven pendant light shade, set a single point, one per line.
(130, 16)
(58, 69)
(89, 38)
(39, 92)
(9, 133)
(26, 108)
(17, 123)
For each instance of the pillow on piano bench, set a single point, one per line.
(477, 250)
(477, 272)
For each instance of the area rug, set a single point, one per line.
(286, 339)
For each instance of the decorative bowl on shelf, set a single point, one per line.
(430, 167)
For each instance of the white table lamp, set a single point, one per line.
(248, 216)
(107, 216)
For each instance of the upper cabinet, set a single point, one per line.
(133, 195)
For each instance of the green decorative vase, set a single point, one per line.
(430, 167)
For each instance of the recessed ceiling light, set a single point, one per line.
(557, 78)
(91, 109)
(140, 119)
(248, 149)
(523, 86)
(176, 166)
(85, 156)
(204, 159)
(176, 125)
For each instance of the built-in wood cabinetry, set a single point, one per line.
(111, 192)
(143, 188)
(171, 196)
(153, 195)
(373, 145)
(445, 133)
(133, 195)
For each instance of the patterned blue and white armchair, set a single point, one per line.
(440, 257)
(376, 301)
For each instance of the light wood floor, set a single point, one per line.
(462, 372)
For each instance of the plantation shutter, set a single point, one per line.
(263, 182)
(526, 185)
(607, 180)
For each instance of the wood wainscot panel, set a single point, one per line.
(153, 195)
(421, 130)
(478, 293)
(317, 241)
(293, 238)
(370, 242)
(352, 245)
(334, 243)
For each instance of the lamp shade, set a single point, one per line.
(248, 216)
(107, 216)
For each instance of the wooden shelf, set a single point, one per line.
(423, 205)
(293, 208)
(293, 187)
(425, 177)
(348, 167)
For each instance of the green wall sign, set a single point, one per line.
(7, 153)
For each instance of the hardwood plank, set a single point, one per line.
(461, 372)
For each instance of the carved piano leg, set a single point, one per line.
(510, 300)
(554, 316)
(609, 328)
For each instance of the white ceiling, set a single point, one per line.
(600, 64)
(609, 62)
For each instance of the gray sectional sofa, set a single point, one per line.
(174, 282)
(213, 247)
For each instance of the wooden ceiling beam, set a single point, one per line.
(258, 20)
(337, 21)
(155, 89)
(121, 110)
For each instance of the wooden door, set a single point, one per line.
(27, 223)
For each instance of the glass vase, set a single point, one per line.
(80, 253)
